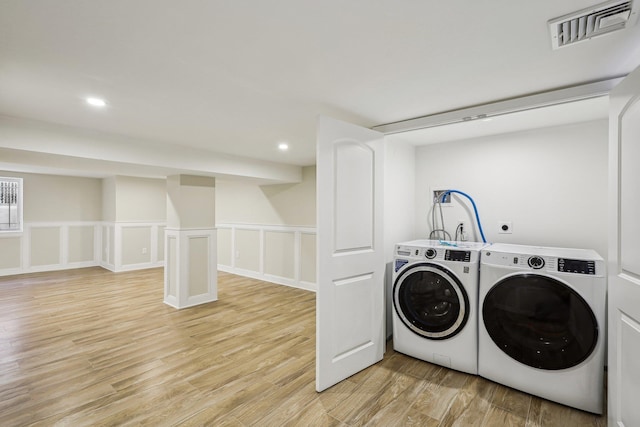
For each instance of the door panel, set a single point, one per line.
(624, 253)
(350, 299)
(629, 381)
(353, 197)
(357, 321)
(630, 188)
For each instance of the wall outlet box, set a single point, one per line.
(505, 227)
(437, 195)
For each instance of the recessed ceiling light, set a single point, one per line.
(283, 146)
(96, 102)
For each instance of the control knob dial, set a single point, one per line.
(536, 262)
(430, 253)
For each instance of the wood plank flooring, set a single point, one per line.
(89, 347)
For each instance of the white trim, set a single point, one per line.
(138, 266)
(97, 244)
(25, 245)
(498, 108)
(63, 248)
(101, 249)
(153, 244)
(58, 267)
(64, 244)
(267, 227)
(179, 261)
(297, 255)
(233, 246)
(117, 247)
(11, 271)
(116, 264)
(297, 232)
(262, 252)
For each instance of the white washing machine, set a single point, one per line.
(541, 326)
(435, 297)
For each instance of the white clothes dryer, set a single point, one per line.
(435, 297)
(541, 325)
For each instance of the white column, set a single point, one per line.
(190, 276)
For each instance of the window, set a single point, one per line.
(10, 204)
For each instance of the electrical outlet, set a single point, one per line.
(462, 227)
(144, 251)
(505, 227)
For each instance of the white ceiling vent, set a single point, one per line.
(594, 21)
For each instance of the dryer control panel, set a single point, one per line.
(549, 264)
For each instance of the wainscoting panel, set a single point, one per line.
(225, 240)
(64, 245)
(275, 253)
(247, 254)
(50, 246)
(133, 246)
(81, 243)
(46, 246)
(136, 245)
(11, 250)
(308, 258)
(190, 273)
(279, 254)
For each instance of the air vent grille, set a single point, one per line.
(592, 22)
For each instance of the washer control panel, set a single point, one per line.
(433, 253)
(566, 265)
(455, 255)
(462, 254)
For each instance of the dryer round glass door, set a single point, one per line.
(431, 301)
(540, 321)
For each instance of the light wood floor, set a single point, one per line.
(90, 347)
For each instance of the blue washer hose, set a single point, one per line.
(475, 209)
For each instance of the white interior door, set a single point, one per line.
(350, 317)
(624, 253)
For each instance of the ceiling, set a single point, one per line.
(235, 78)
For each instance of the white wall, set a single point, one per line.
(268, 232)
(550, 183)
(109, 199)
(134, 217)
(280, 204)
(61, 225)
(59, 198)
(140, 199)
(399, 207)
(119, 222)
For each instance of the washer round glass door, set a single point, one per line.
(540, 321)
(431, 301)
